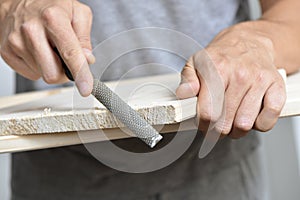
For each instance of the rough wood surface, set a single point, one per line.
(64, 110)
(17, 143)
(153, 97)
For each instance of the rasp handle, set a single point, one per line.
(67, 71)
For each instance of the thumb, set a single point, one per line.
(82, 25)
(190, 84)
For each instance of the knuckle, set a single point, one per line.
(207, 116)
(261, 77)
(29, 28)
(186, 72)
(264, 77)
(242, 75)
(50, 14)
(50, 78)
(274, 108)
(13, 39)
(244, 126)
(220, 61)
(225, 128)
(70, 53)
(214, 117)
(84, 40)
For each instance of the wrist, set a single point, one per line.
(286, 40)
(279, 37)
(245, 37)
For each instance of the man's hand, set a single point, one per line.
(236, 81)
(30, 29)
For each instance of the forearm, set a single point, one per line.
(281, 22)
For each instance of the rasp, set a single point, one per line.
(121, 110)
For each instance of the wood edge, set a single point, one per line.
(12, 144)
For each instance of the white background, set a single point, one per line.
(281, 148)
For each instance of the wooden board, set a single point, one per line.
(65, 110)
(53, 111)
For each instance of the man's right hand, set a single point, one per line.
(29, 31)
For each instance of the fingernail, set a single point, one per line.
(84, 80)
(84, 88)
(89, 56)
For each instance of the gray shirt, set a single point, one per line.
(73, 168)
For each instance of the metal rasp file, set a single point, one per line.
(121, 110)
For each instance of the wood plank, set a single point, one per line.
(65, 110)
(18, 143)
(292, 105)
(164, 87)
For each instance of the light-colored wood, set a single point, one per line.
(65, 110)
(292, 105)
(16, 143)
(153, 97)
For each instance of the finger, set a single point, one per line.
(273, 103)
(18, 64)
(209, 110)
(203, 116)
(234, 95)
(45, 59)
(82, 25)
(18, 47)
(212, 93)
(62, 34)
(190, 84)
(248, 111)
